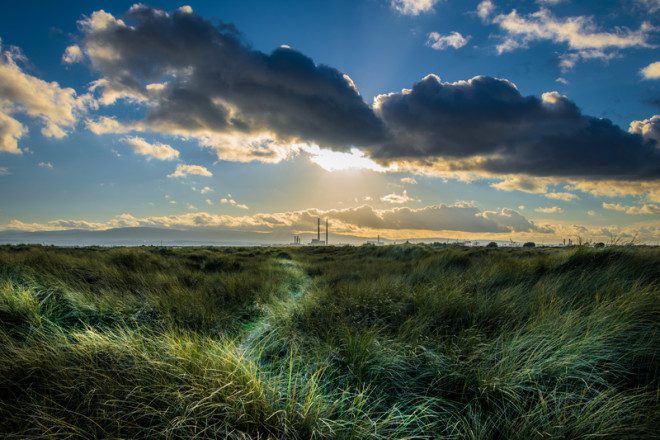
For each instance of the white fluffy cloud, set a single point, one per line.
(441, 42)
(72, 54)
(549, 210)
(485, 9)
(647, 128)
(580, 34)
(611, 188)
(576, 32)
(565, 196)
(397, 199)
(10, 132)
(183, 170)
(151, 150)
(229, 200)
(413, 7)
(652, 71)
(531, 185)
(204, 190)
(106, 125)
(644, 209)
(55, 107)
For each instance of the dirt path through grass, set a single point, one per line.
(297, 285)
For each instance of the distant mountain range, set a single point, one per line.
(156, 236)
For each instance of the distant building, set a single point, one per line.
(376, 242)
(317, 241)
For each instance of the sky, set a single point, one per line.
(522, 120)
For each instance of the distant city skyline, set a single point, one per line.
(394, 118)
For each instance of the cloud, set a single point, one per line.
(183, 170)
(580, 34)
(157, 151)
(485, 9)
(611, 188)
(645, 209)
(204, 190)
(569, 60)
(55, 107)
(565, 196)
(532, 185)
(331, 160)
(413, 7)
(652, 71)
(397, 199)
(229, 200)
(409, 180)
(485, 124)
(213, 83)
(442, 42)
(248, 147)
(194, 79)
(72, 54)
(598, 188)
(652, 6)
(4, 171)
(361, 221)
(549, 210)
(647, 128)
(10, 132)
(47, 165)
(577, 33)
(106, 125)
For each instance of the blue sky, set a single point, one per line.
(270, 165)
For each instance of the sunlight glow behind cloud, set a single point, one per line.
(331, 160)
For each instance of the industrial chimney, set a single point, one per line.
(326, 231)
(318, 229)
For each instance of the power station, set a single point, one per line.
(315, 241)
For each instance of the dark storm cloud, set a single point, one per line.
(216, 82)
(489, 117)
(197, 77)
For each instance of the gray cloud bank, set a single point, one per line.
(202, 79)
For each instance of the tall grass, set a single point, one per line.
(372, 342)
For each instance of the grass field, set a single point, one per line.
(410, 341)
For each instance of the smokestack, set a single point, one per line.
(326, 231)
(318, 229)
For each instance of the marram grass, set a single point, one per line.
(395, 342)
